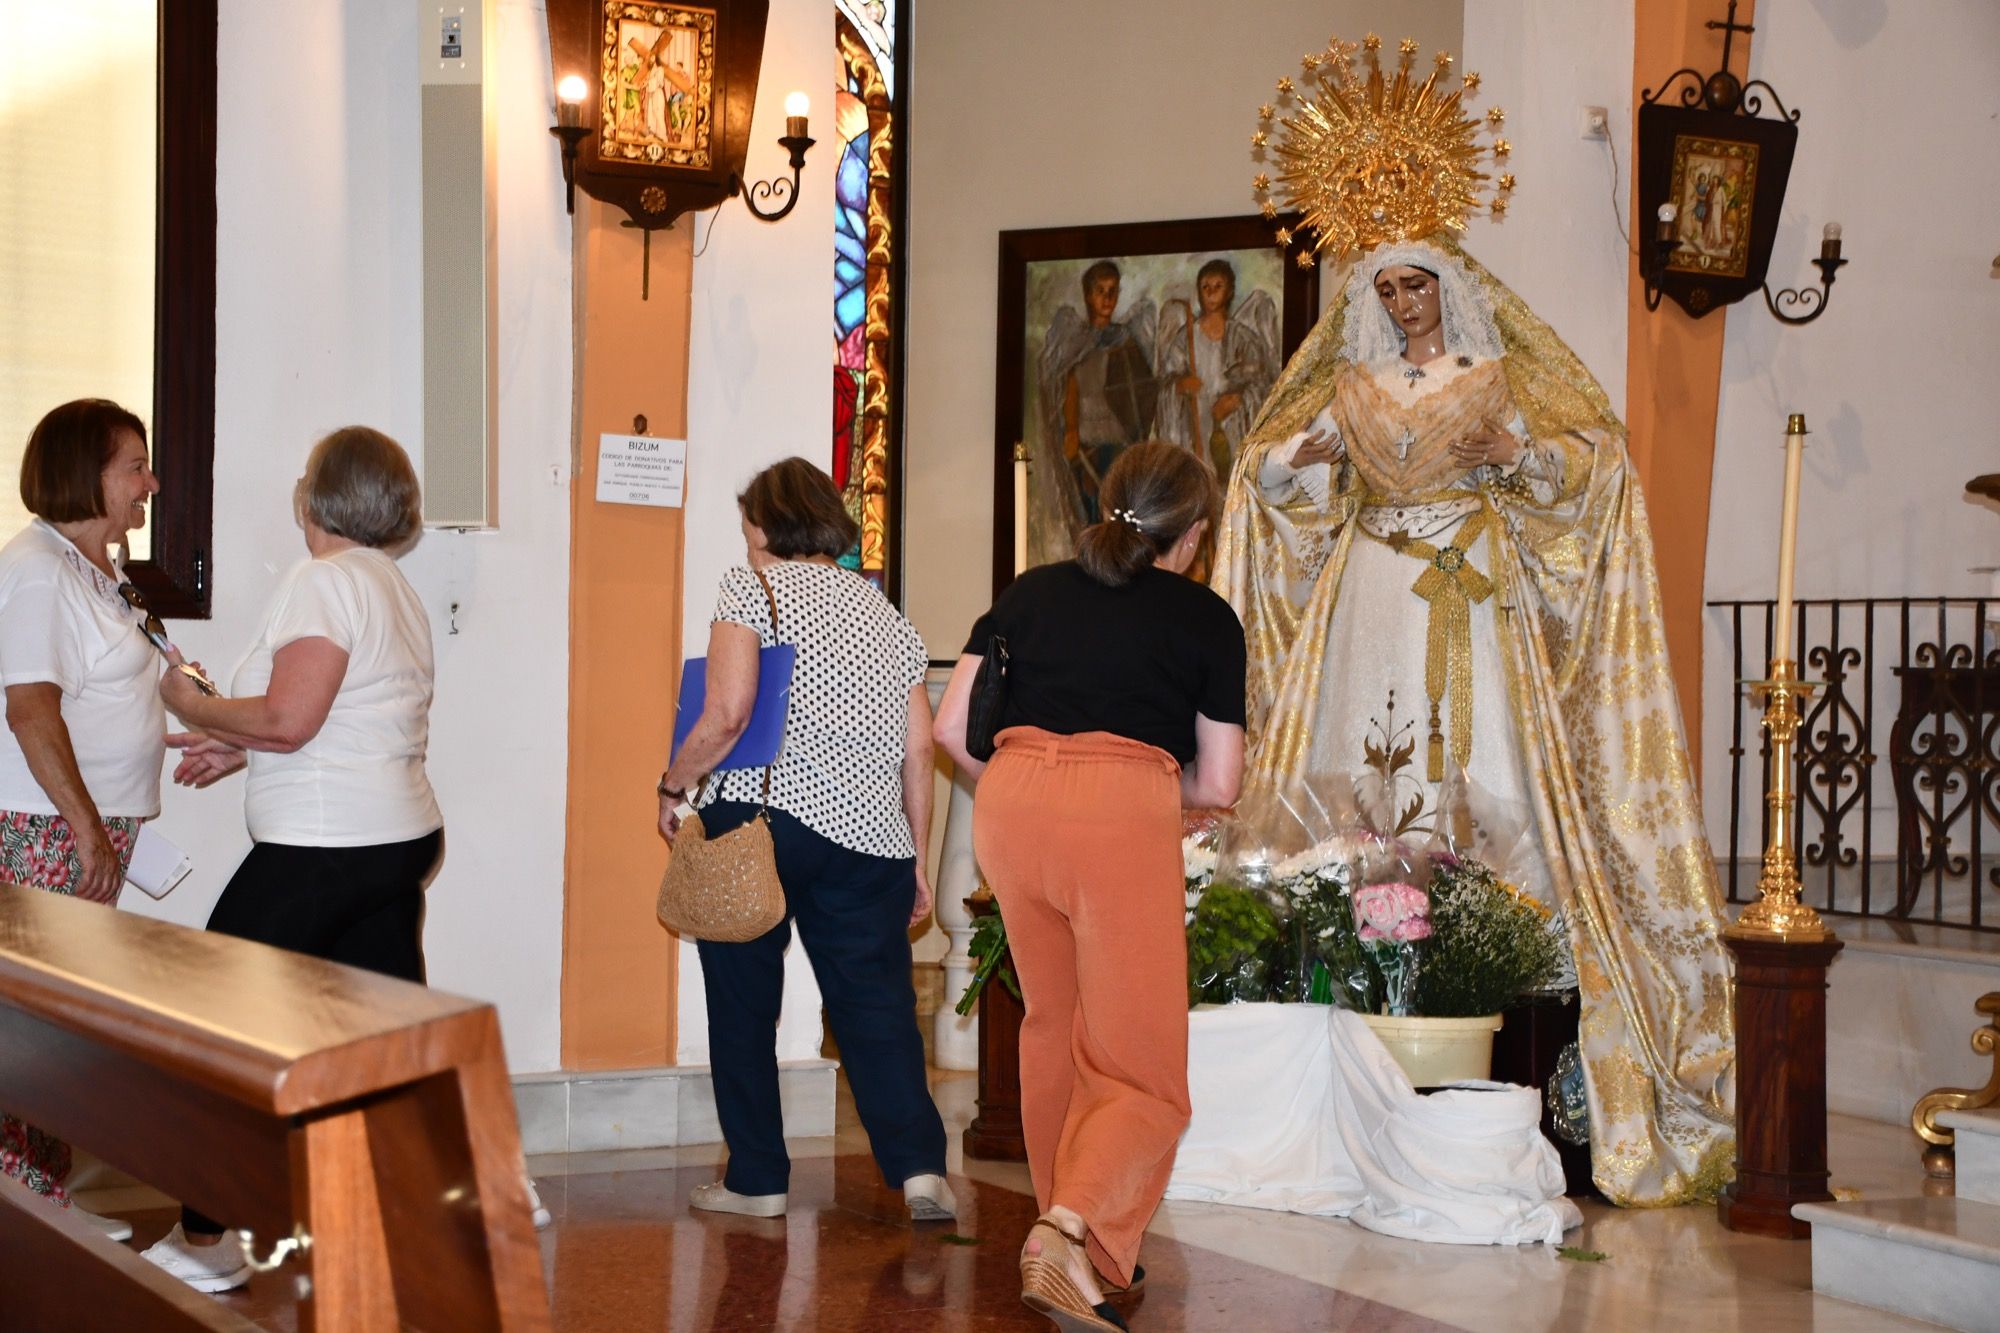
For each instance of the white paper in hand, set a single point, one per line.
(157, 865)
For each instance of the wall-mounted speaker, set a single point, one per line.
(461, 486)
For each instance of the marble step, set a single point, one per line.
(1976, 1137)
(1936, 1259)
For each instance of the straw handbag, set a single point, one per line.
(726, 889)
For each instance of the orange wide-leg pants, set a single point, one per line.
(1079, 837)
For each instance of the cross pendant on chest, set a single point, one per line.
(1403, 445)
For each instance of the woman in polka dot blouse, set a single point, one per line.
(850, 806)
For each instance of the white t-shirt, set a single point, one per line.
(63, 623)
(361, 781)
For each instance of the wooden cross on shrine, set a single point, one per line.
(1730, 27)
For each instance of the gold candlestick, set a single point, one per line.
(1778, 914)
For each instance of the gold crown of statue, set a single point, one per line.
(1368, 158)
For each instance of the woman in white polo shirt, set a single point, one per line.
(332, 710)
(80, 755)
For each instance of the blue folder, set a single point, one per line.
(758, 745)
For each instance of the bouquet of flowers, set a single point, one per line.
(1357, 893)
(1232, 940)
(1325, 963)
(1392, 915)
(1490, 943)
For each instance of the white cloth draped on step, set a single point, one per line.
(1299, 1108)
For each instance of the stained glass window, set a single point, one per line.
(866, 271)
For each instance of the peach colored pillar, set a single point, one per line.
(619, 981)
(1674, 365)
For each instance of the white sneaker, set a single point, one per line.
(717, 1197)
(535, 1209)
(112, 1228)
(219, 1267)
(930, 1199)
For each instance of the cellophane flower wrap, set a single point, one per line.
(1238, 923)
(1324, 962)
(1392, 918)
(1494, 842)
(1199, 829)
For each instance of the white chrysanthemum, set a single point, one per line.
(1197, 859)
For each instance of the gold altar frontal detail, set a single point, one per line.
(1778, 915)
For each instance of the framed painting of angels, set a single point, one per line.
(1110, 335)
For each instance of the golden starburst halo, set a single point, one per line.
(1368, 156)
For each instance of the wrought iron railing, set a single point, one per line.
(1899, 756)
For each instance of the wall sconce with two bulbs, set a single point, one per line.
(573, 91)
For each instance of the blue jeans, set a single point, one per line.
(853, 913)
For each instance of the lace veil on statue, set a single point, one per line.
(1370, 336)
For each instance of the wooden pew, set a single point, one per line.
(54, 1262)
(278, 1093)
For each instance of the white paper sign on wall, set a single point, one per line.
(641, 470)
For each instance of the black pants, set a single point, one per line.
(853, 915)
(363, 906)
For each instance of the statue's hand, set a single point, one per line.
(1486, 445)
(1316, 448)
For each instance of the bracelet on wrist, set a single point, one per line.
(666, 791)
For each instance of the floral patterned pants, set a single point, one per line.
(39, 852)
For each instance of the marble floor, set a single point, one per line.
(625, 1253)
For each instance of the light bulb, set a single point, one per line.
(797, 104)
(572, 88)
(1832, 232)
(1668, 212)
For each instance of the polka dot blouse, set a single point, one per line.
(840, 772)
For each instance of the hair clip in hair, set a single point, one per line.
(1127, 516)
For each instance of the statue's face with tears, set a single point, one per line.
(1410, 295)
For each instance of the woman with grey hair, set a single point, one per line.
(331, 712)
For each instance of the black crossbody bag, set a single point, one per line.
(989, 701)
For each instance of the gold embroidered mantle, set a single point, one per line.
(1586, 672)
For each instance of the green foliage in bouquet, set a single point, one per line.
(1490, 944)
(1230, 947)
(991, 958)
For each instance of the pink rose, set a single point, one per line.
(1411, 928)
(1415, 902)
(1377, 907)
(1369, 935)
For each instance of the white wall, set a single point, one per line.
(760, 387)
(1559, 246)
(1131, 114)
(1898, 143)
(318, 326)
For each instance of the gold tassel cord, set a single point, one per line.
(1452, 586)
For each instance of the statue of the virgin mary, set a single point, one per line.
(1433, 532)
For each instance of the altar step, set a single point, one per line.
(1934, 1258)
(1900, 1014)
(1976, 1142)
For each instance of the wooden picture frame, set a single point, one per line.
(625, 161)
(656, 72)
(1713, 187)
(1725, 173)
(1051, 342)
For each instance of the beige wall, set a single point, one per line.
(1045, 113)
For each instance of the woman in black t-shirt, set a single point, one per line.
(1124, 704)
